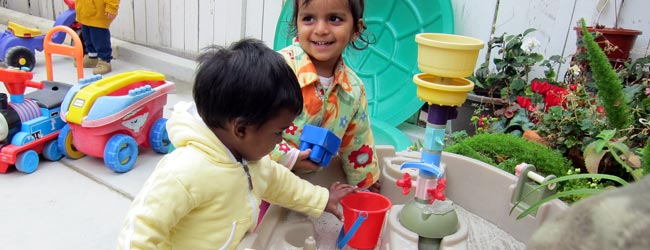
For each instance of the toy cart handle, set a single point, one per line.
(50, 47)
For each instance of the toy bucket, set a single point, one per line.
(364, 214)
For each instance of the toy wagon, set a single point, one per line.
(110, 117)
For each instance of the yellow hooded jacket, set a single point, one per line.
(91, 12)
(198, 196)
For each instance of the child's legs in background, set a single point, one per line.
(87, 42)
(98, 40)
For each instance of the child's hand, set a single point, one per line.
(303, 163)
(337, 192)
(109, 15)
(375, 188)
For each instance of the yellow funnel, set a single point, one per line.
(447, 55)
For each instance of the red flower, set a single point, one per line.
(481, 121)
(284, 147)
(362, 157)
(573, 87)
(540, 87)
(555, 96)
(600, 109)
(525, 102)
(291, 129)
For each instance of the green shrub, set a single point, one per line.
(506, 151)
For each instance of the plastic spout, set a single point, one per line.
(439, 115)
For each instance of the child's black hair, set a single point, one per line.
(356, 8)
(247, 80)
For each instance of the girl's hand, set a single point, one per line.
(109, 15)
(337, 192)
(304, 164)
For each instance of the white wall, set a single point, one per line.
(189, 25)
(553, 19)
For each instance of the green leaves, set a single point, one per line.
(507, 73)
(607, 143)
(581, 192)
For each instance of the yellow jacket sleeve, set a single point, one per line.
(150, 219)
(290, 191)
(112, 6)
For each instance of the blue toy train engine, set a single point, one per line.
(29, 126)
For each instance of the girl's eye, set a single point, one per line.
(307, 19)
(335, 19)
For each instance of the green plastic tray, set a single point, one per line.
(387, 67)
(386, 134)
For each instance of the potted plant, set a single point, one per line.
(500, 80)
(615, 41)
(628, 121)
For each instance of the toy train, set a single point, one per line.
(107, 118)
(29, 124)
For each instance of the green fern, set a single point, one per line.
(610, 87)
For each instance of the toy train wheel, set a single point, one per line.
(22, 138)
(120, 153)
(51, 151)
(158, 138)
(66, 146)
(27, 162)
(21, 57)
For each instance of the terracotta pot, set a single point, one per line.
(622, 39)
(532, 135)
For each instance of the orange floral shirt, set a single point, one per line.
(342, 108)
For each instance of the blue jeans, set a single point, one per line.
(97, 41)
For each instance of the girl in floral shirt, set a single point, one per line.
(334, 96)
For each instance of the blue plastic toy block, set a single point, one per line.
(323, 143)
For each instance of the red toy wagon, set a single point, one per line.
(110, 117)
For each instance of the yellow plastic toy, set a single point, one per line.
(22, 31)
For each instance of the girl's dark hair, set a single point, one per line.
(356, 8)
(247, 80)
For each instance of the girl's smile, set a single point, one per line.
(325, 27)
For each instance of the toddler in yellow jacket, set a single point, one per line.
(96, 17)
(206, 193)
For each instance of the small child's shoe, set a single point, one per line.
(103, 67)
(89, 62)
